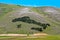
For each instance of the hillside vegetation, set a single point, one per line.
(40, 19)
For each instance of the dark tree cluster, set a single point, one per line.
(24, 19)
(30, 21)
(44, 26)
(38, 29)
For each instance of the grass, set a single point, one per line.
(11, 27)
(6, 26)
(5, 8)
(54, 24)
(4, 36)
(51, 37)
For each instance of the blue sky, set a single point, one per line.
(55, 3)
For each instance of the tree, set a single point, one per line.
(48, 24)
(19, 26)
(44, 26)
(40, 29)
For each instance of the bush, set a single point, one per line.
(19, 26)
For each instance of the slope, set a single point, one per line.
(38, 14)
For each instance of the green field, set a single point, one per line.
(53, 37)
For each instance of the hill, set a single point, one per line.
(25, 20)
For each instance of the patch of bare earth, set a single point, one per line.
(37, 34)
(40, 34)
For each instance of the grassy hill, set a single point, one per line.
(41, 15)
(5, 8)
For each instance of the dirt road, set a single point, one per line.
(37, 34)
